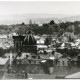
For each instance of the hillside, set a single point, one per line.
(38, 18)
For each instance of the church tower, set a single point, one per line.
(25, 43)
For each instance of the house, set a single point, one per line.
(66, 36)
(37, 37)
(23, 59)
(27, 58)
(7, 55)
(3, 38)
(4, 62)
(41, 47)
(40, 41)
(63, 61)
(11, 57)
(75, 61)
(65, 39)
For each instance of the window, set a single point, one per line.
(58, 62)
(63, 63)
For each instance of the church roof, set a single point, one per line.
(29, 39)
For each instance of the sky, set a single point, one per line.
(40, 7)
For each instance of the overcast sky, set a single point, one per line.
(59, 7)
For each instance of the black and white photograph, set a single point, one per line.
(39, 39)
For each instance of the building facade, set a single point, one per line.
(25, 43)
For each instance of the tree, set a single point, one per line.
(52, 22)
(47, 41)
(70, 28)
(61, 31)
(65, 25)
(22, 23)
(71, 39)
(77, 29)
(73, 52)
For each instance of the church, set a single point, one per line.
(25, 44)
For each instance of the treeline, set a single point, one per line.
(51, 28)
(46, 28)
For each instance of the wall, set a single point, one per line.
(62, 62)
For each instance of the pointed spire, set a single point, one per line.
(30, 22)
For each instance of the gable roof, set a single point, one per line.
(3, 61)
(74, 76)
(65, 56)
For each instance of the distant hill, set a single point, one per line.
(38, 18)
(38, 21)
(72, 18)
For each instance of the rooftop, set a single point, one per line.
(75, 75)
(3, 61)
